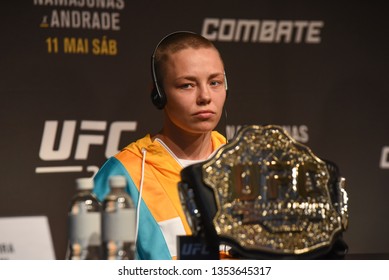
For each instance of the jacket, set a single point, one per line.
(161, 217)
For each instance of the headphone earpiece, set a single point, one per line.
(226, 84)
(158, 98)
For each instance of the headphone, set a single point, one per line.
(158, 96)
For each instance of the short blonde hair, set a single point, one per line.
(173, 43)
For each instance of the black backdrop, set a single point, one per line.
(78, 72)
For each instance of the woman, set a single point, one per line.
(190, 87)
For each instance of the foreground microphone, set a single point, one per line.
(194, 247)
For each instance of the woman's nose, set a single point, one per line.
(204, 95)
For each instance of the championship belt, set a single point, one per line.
(267, 196)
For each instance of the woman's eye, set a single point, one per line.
(186, 86)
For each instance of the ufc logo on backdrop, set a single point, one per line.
(57, 145)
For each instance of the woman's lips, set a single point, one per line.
(205, 114)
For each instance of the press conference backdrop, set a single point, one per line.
(75, 83)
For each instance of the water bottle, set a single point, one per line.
(84, 223)
(118, 223)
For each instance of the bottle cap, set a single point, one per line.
(117, 181)
(84, 183)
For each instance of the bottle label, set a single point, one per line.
(85, 228)
(119, 225)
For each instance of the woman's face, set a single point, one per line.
(194, 84)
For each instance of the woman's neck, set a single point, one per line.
(187, 145)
